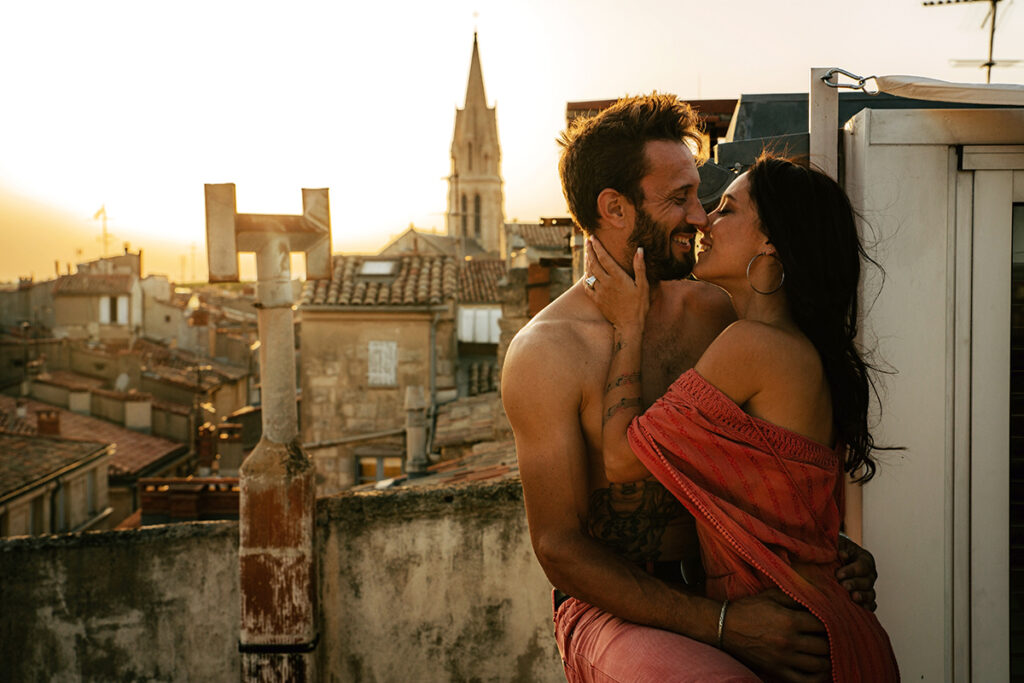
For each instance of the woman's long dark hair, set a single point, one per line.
(809, 219)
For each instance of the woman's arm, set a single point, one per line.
(624, 302)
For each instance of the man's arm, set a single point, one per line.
(542, 396)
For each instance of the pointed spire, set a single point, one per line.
(475, 95)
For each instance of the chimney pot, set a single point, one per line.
(48, 422)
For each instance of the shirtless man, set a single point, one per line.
(630, 179)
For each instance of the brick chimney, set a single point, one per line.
(48, 422)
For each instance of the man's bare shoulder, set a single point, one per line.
(567, 327)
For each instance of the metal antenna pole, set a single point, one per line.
(991, 62)
(991, 43)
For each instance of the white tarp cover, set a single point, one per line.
(920, 88)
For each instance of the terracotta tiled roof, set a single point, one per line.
(69, 380)
(134, 451)
(478, 281)
(84, 283)
(488, 461)
(25, 459)
(544, 236)
(416, 280)
(10, 423)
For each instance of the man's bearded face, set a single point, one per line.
(657, 243)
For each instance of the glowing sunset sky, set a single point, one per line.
(134, 105)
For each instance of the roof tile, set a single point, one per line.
(419, 281)
(478, 280)
(27, 458)
(134, 450)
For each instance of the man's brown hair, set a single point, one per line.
(607, 150)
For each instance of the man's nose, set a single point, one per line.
(697, 216)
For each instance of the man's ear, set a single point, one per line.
(613, 208)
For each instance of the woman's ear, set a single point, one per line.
(612, 207)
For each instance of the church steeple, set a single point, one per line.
(475, 197)
(475, 88)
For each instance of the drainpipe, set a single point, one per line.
(432, 408)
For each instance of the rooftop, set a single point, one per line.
(95, 285)
(478, 280)
(28, 458)
(133, 452)
(542, 236)
(407, 280)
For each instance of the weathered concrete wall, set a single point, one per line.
(425, 584)
(157, 604)
(433, 585)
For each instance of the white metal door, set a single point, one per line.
(991, 181)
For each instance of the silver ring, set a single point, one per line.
(589, 282)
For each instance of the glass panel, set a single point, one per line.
(367, 469)
(392, 467)
(1017, 449)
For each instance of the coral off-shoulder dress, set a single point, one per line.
(768, 503)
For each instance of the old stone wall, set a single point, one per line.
(433, 585)
(421, 584)
(157, 604)
(339, 400)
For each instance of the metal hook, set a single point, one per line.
(831, 81)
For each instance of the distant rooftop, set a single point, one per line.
(416, 281)
(134, 451)
(478, 280)
(29, 458)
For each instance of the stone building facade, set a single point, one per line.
(378, 326)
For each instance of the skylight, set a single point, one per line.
(378, 268)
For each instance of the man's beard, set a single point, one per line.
(661, 265)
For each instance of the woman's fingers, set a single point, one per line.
(597, 255)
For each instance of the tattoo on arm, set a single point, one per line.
(623, 380)
(621, 405)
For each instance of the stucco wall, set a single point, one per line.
(414, 585)
(157, 604)
(433, 585)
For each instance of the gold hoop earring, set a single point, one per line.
(750, 265)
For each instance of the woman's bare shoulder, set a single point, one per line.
(750, 355)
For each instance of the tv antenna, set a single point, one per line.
(993, 5)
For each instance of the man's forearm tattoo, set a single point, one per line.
(622, 404)
(623, 380)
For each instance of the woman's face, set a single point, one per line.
(732, 237)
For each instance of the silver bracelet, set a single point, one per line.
(721, 623)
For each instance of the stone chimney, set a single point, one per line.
(206, 449)
(48, 422)
(21, 409)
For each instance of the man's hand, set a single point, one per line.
(857, 573)
(772, 633)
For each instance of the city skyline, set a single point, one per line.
(125, 108)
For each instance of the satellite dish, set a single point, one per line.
(122, 382)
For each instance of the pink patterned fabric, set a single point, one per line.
(768, 505)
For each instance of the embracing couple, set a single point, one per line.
(682, 443)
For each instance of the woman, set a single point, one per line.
(754, 439)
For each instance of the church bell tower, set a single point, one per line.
(475, 198)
